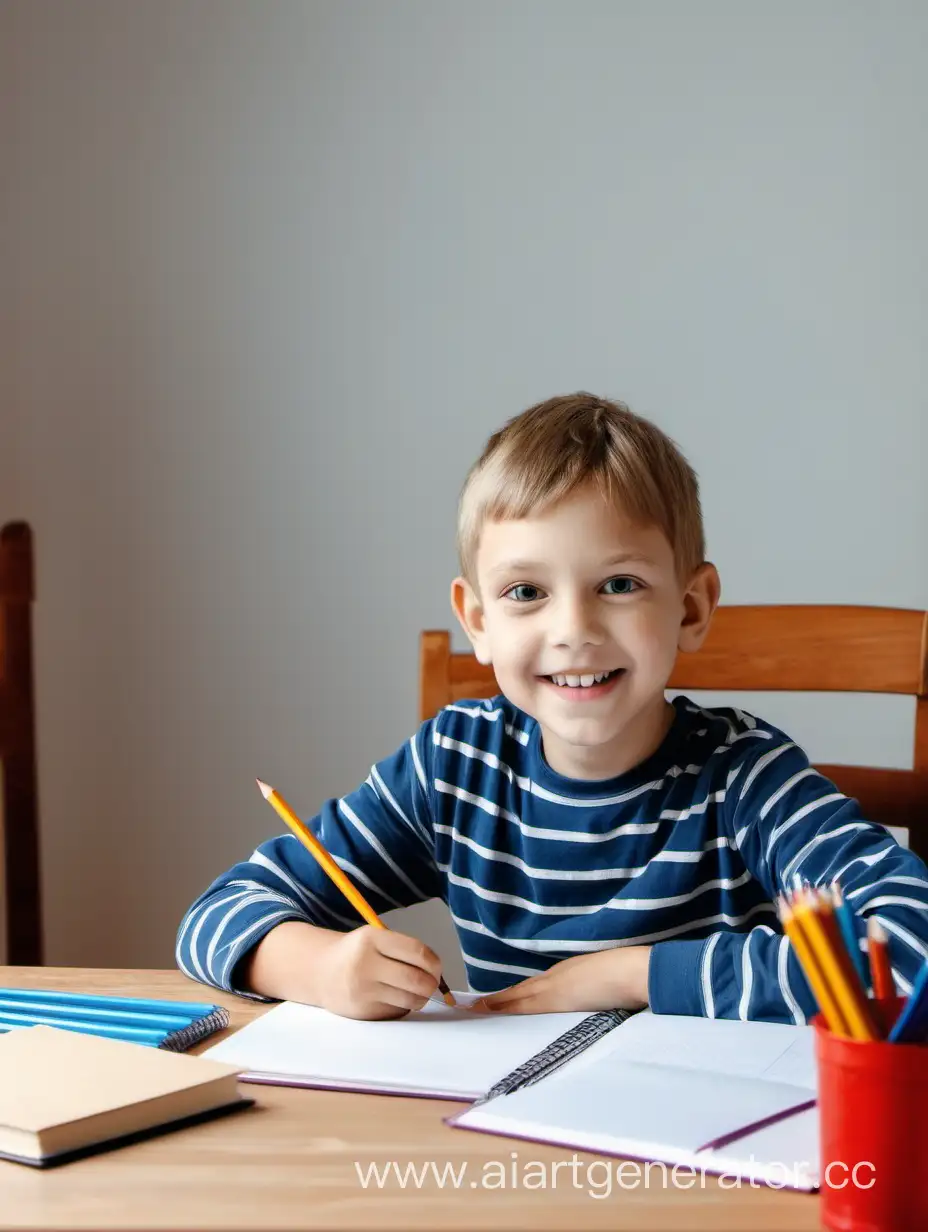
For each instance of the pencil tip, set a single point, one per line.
(264, 788)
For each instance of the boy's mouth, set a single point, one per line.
(590, 681)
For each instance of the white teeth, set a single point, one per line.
(580, 682)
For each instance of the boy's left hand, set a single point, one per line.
(607, 980)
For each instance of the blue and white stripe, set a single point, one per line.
(685, 853)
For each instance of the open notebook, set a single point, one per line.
(442, 1052)
(725, 1097)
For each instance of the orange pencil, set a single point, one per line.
(316, 849)
(881, 972)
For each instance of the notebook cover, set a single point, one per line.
(138, 1135)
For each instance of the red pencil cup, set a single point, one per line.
(873, 1109)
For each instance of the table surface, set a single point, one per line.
(291, 1161)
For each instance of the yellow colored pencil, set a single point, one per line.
(339, 878)
(856, 1015)
(824, 902)
(831, 1011)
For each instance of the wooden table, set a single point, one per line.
(290, 1164)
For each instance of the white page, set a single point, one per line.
(437, 1050)
(775, 1051)
(785, 1154)
(626, 1108)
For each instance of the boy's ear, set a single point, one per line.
(700, 600)
(467, 607)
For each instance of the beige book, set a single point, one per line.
(64, 1093)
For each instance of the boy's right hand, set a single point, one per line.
(366, 973)
(376, 973)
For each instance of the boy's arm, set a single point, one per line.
(380, 835)
(790, 822)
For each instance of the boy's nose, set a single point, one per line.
(574, 623)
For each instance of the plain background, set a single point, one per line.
(270, 274)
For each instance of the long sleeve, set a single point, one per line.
(380, 835)
(790, 822)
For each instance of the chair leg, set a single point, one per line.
(21, 861)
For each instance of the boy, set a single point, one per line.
(598, 846)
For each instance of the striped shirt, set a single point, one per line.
(685, 852)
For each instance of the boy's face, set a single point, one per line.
(577, 591)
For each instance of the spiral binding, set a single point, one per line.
(558, 1052)
(185, 1037)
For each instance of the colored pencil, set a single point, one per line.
(824, 901)
(881, 972)
(818, 925)
(911, 1027)
(845, 916)
(827, 1002)
(318, 851)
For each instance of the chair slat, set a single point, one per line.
(806, 648)
(16, 572)
(892, 797)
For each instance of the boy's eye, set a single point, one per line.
(522, 593)
(621, 586)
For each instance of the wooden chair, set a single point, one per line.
(19, 851)
(796, 648)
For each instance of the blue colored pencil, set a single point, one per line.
(911, 1027)
(848, 928)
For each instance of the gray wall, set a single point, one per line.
(277, 269)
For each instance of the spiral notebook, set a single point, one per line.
(172, 1025)
(438, 1052)
(719, 1096)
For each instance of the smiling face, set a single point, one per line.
(581, 613)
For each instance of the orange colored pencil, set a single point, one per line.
(881, 972)
(318, 851)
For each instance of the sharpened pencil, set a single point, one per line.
(881, 973)
(338, 877)
(816, 918)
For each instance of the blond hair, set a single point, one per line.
(545, 453)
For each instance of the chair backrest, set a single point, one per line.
(21, 890)
(797, 648)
